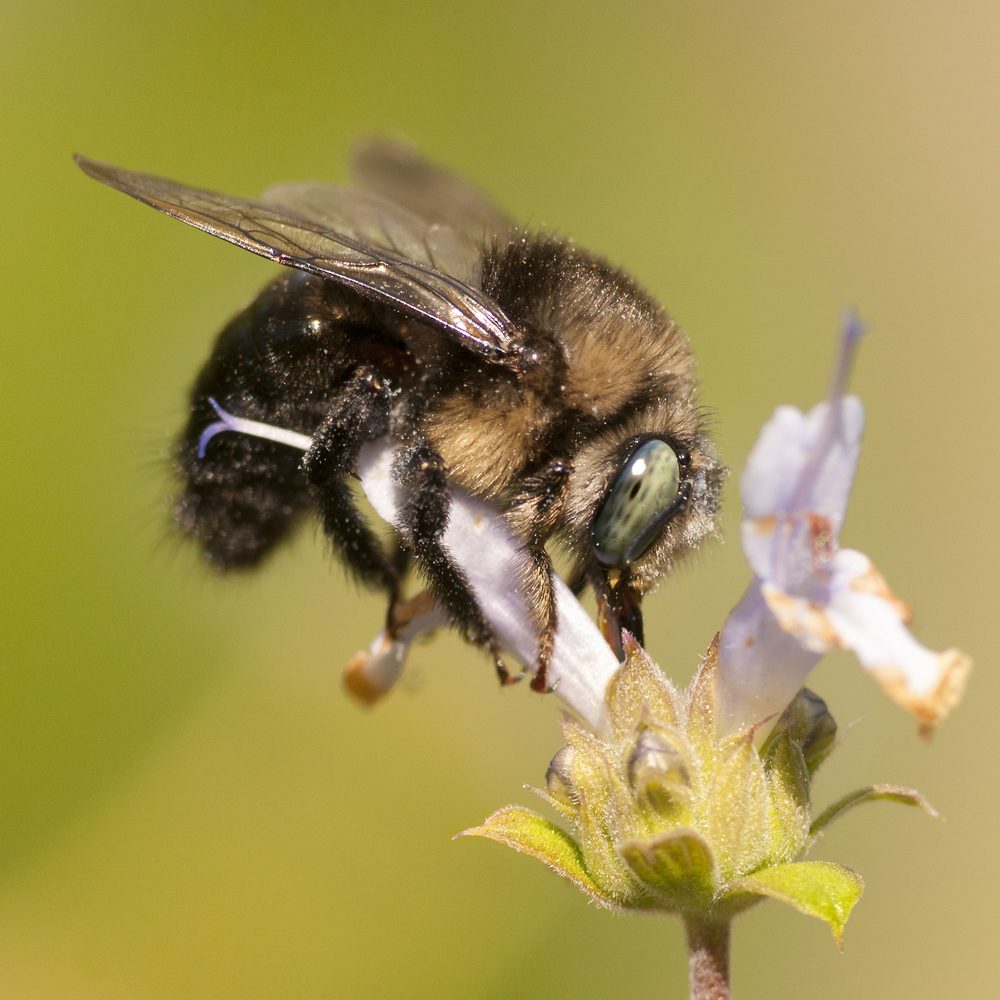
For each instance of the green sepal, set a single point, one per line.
(789, 784)
(530, 833)
(890, 793)
(701, 703)
(735, 816)
(678, 865)
(817, 888)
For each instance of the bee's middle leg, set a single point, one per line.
(423, 518)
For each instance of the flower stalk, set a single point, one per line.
(708, 957)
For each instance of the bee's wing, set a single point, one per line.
(371, 219)
(413, 286)
(396, 171)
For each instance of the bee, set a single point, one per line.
(511, 363)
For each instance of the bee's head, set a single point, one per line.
(642, 494)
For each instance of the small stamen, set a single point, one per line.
(227, 422)
(852, 332)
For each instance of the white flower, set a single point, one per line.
(808, 595)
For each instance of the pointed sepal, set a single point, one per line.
(817, 888)
(530, 833)
(639, 690)
(872, 793)
(701, 702)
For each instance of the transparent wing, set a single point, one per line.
(396, 171)
(412, 285)
(369, 218)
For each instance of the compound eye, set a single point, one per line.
(644, 497)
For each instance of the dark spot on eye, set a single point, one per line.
(635, 489)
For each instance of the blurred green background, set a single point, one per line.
(189, 804)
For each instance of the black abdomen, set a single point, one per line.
(280, 361)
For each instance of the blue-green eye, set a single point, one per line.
(642, 499)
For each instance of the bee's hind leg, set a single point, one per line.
(360, 413)
(398, 613)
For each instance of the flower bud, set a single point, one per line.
(657, 767)
(821, 729)
(808, 724)
(559, 778)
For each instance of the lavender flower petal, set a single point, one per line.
(795, 489)
(871, 621)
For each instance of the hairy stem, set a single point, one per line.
(708, 957)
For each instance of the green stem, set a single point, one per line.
(708, 957)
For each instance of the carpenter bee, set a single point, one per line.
(511, 363)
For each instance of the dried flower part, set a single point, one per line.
(808, 595)
(672, 814)
(370, 675)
